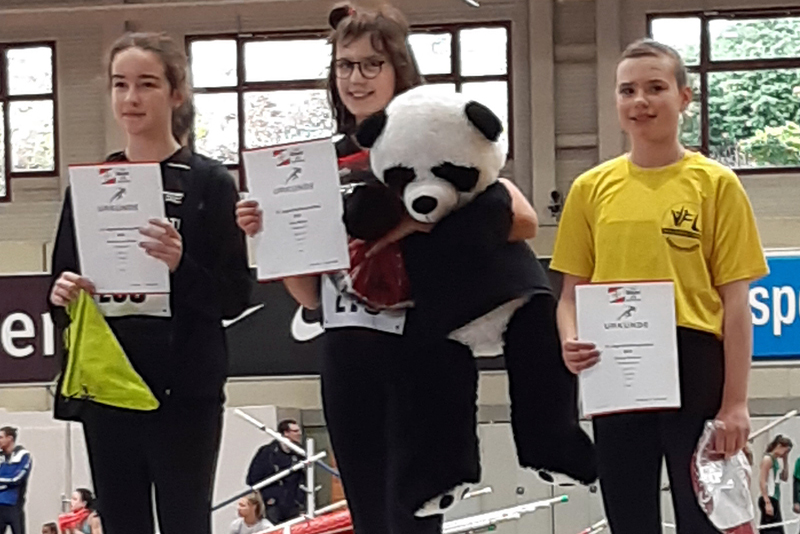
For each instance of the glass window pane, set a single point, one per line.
(432, 52)
(446, 88)
(484, 51)
(277, 117)
(30, 70)
(493, 95)
(754, 117)
(286, 60)
(691, 122)
(32, 135)
(213, 63)
(681, 33)
(755, 38)
(216, 126)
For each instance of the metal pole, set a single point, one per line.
(68, 481)
(281, 439)
(271, 480)
(304, 517)
(595, 528)
(772, 425)
(311, 503)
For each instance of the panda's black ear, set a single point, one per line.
(371, 129)
(484, 120)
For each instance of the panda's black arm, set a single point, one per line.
(371, 211)
(483, 226)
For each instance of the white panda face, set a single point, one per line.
(437, 151)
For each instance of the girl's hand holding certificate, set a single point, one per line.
(167, 245)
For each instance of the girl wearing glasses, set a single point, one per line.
(361, 382)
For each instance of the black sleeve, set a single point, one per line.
(371, 210)
(258, 469)
(482, 226)
(65, 256)
(222, 290)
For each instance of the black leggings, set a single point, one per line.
(630, 446)
(12, 517)
(770, 519)
(381, 396)
(173, 450)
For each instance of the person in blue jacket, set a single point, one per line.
(15, 469)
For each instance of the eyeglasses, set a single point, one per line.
(369, 68)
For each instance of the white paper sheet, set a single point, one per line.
(110, 203)
(634, 327)
(297, 187)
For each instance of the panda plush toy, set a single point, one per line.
(441, 155)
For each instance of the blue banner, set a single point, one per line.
(775, 305)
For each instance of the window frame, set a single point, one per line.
(242, 86)
(708, 66)
(6, 99)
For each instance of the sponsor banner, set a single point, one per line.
(28, 347)
(775, 305)
(276, 337)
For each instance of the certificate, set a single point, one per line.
(633, 326)
(110, 202)
(297, 187)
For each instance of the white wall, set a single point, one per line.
(61, 465)
(57, 470)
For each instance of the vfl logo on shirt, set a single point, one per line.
(682, 228)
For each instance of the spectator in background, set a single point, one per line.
(15, 469)
(251, 515)
(284, 499)
(49, 528)
(769, 502)
(82, 517)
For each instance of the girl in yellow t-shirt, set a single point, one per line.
(662, 212)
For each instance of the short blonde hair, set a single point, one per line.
(255, 499)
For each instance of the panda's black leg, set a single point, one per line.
(436, 448)
(544, 397)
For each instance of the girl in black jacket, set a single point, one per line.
(175, 342)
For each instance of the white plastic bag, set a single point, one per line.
(723, 486)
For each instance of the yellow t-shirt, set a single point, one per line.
(690, 222)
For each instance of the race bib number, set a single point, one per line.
(124, 305)
(340, 311)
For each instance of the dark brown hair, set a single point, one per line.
(651, 48)
(283, 426)
(780, 440)
(9, 431)
(176, 68)
(52, 528)
(388, 31)
(87, 497)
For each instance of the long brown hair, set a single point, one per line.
(780, 440)
(176, 70)
(388, 31)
